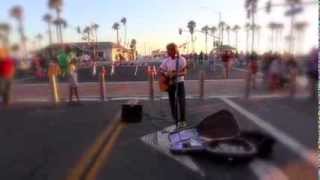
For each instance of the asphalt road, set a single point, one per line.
(42, 142)
(135, 160)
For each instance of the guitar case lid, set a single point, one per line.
(219, 126)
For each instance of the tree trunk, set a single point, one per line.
(213, 44)
(253, 31)
(125, 36)
(57, 33)
(23, 39)
(192, 43)
(272, 39)
(247, 41)
(222, 31)
(206, 43)
(59, 28)
(237, 40)
(49, 33)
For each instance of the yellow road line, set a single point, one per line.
(105, 154)
(85, 162)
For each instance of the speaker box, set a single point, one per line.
(131, 113)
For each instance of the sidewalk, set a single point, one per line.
(140, 89)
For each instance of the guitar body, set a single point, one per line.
(164, 83)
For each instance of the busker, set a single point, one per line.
(173, 70)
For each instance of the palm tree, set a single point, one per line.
(87, 32)
(247, 28)
(257, 28)
(4, 33)
(205, 30)
(213, 31)
(57, 6)
(133, 47)
(251, 8)
(292, 4)
(236, 29)
(61, 24)
(124, 22)
(39, 37)
(221, 30)
(17, 13)
(78, 30)
(228, 29)
(116, 27)
(272, 26)
(279, 30)
(48, 19)
(180, 31)
(191, 26)
(95, 28)
(300, 29)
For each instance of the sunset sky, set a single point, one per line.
(154, 23)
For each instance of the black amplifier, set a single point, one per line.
(131, 113)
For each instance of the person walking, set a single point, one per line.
(211, 63)
(226, 58)
(275, 71)
(64, 57)
(73, 81)
(293, 71)
(7, 72)
(253, 69)
(174, 69)
(54, 72)
(313, 74)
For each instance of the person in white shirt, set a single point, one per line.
(174, 67)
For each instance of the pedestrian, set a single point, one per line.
(241, 59)
(226, 58)
(292, 67)
(201, 57)
(65, 55)
(94, 68)
(275, 71)
(211, 62)
(73, 81)
(313, 73)
(54, 72)
(253, 68)
(174, 69)
(7, 72)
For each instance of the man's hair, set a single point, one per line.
(172, 46)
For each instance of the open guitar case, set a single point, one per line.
(219, 136)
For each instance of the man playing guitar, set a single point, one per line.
(172, 71)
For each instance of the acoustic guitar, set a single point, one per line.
(165, 82)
